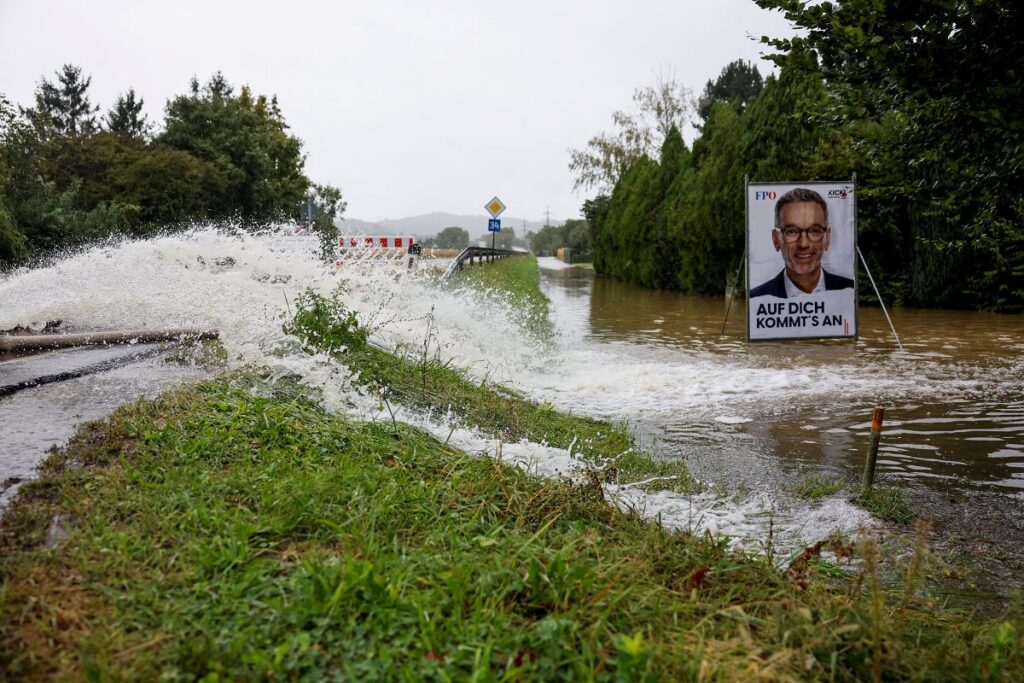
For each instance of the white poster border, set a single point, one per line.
(854, 335)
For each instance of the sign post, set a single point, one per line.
(494, 207)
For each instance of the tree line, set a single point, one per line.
(916, 99)
(69, 176)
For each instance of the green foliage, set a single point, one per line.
(705, 208)
(452, 237)
(929, 124)
(739, 82)
(658, 109)
(326, 325)
(246, 139)
(574, 235)
(506, 239)
(817, 487)
(64, 182)
(888, 504)
(64, 109)
(13, 243)
(328, 200)
(126, 117)
(926, 94)
(631, 238)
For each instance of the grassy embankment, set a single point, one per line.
(232, 530)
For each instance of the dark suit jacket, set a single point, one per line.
(777, 285)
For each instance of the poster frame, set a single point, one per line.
(856, 250)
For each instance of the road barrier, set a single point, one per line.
(369, 249)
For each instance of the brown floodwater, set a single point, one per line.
(767, 414)
(954, 396)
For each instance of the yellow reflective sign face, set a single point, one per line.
(494, 207)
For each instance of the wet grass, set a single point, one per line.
(888, 504)
(417, 377)
(234, 531)
(517, 279)
(816, 487)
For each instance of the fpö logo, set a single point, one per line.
(837, 194)
(764, 194)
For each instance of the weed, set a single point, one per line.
(887, 504)
(816, 487)
(326, 325)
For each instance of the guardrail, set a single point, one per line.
(479, 255)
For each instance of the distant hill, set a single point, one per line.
(430, 224)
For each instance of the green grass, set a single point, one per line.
(888, 504)
(422, 381)
(233, 531)
(816, 487)
(517, 279)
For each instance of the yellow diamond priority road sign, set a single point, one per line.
(494, 207)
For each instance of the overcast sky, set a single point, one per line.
(409, 107)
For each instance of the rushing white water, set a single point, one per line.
(245, 287)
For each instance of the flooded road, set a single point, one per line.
(764, 416)
(954, 396)
(36, 419)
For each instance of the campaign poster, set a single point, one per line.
(801, 260)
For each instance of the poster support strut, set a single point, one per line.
(732, 291)
(879, 295)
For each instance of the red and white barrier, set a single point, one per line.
(376, 241)
(370, 249)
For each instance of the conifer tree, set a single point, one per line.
(126, 118)
(64, 109)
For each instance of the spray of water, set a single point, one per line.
(244, 286)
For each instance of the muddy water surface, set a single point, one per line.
(770, 414)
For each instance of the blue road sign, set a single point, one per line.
(494, 225)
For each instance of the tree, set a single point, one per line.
(930, 93)
(247, 139)
(328, 198)
(124, 118)
(13, 243)
(452, 237)
(740, 81)
(657, 109)
(504, 239)
(64, 109)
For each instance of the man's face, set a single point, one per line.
(802, 257)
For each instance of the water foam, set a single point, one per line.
(245, 286)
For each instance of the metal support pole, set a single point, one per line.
(872, 456)
(879, 295)
(735, 283)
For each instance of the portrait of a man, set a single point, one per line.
(801, 249)
(801, 234)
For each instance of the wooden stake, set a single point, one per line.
(873, 439)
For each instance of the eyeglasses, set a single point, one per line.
(791, 233)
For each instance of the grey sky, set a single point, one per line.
(409, 107)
